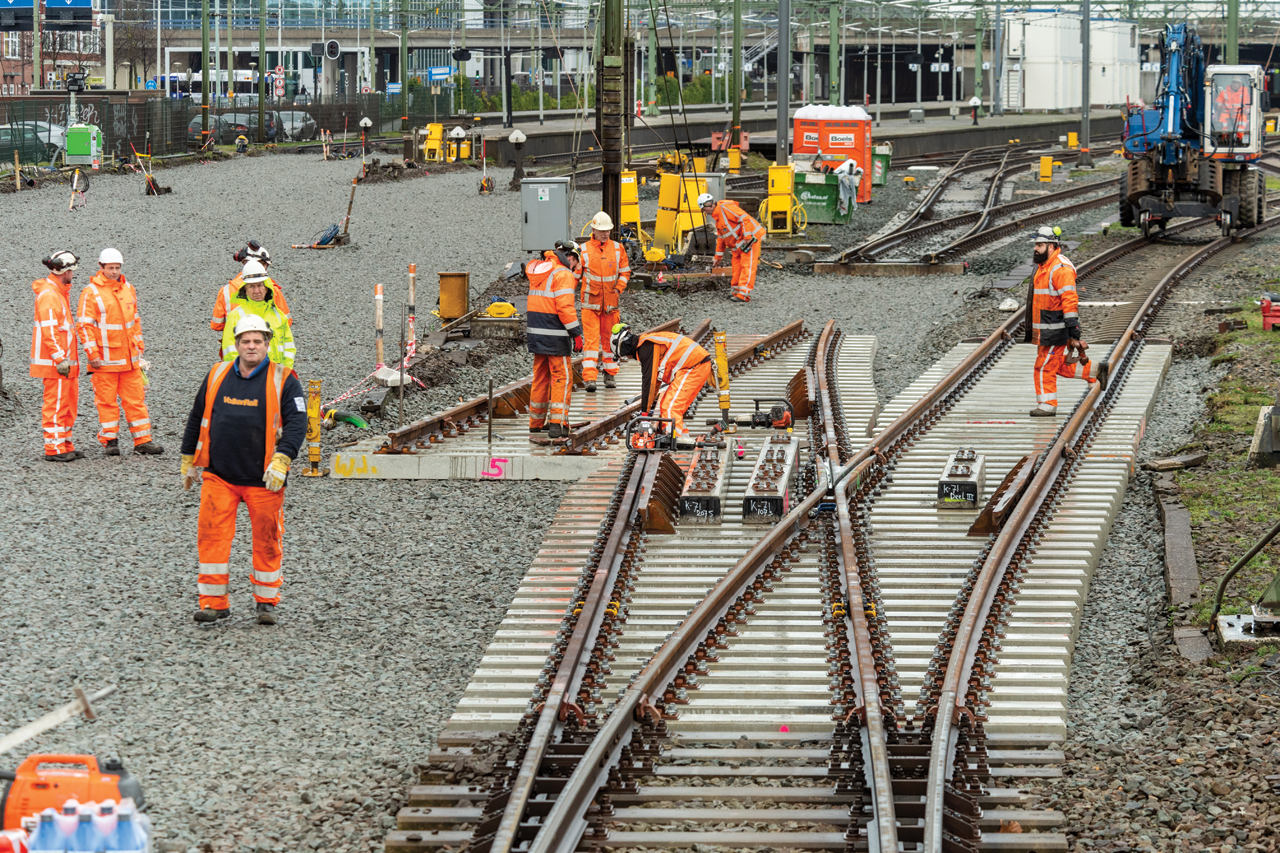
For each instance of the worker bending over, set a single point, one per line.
(256, 298)
(253, 251)
(111, 332)
(54, 356)
(604, 274)
(741, 235)
(554, 335)
(670, 360)
(1053, 322)
(245, 429)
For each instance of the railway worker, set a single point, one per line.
(554, 335)
(673, 370)
(255, 297)
(604, 274)
(741, 234)
(252, 251)
(1053, 322)
(110, 331)
(54, 356)
(245, 428)
(1232, 106)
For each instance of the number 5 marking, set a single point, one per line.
(495, 469)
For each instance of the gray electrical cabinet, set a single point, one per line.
(715, 183)
(544, 213)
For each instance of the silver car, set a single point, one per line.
(299, 125)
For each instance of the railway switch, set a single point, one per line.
(961, 481)
(768, 497)
(702, 498)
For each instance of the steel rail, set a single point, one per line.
(952, 703)
(993, 192)
(400, 440)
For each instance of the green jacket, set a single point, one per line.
(281, 350)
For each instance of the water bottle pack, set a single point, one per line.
(86, 828)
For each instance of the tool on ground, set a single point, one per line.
(81, 705)
(313, 430)
(647, 433)
(1266, 610)
(778, 416)
(487, 185)
(332, 237)
(48, 780)
(79, 185)
(333, 417)
(722, 379)
(144, 165)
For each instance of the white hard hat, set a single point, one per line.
(1047, 234)
(706, 199)
(62, 261)
(602, 222)
(111, 256)
(253, 272)
(252, 323)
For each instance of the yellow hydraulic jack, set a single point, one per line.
(722, 381)
(313, 430)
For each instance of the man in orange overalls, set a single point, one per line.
(738, 232)
(1232, 107)
(554, 336)
(1053, 322)
(604, 274)
(111, 333)
(673, 369)
(53, 356)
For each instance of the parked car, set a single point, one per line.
(250, 120)
(223, 129)
(299, 125)
(25, 139)
(50, 134)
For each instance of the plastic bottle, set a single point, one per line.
(47, 838)
(15, 840)
(128, 836)
(86, 838)
(69, 818)
(105, 818)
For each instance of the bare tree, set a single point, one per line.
(135, 37)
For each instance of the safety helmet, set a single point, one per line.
(623, 341)
(602, 222)
(253, 250)
(565, 248)
(706, 199)
(1047, 234)
(252, 323)
(253, 272)
(110, 256)
(62, 261)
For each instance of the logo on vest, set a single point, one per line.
(236, 401)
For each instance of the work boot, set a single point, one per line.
(1103, 370)
(149, 448)
(1044, 413)
(542, 428)
(69, 456)
(609, 381)
(266, 613)
(737, 298)
(208, 614)
(590, 387)
(112, 448)
(557, 431)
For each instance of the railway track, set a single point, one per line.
(740, 687)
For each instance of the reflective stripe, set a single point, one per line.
(559, 332)
(212, 588)
(107, 425)
(1044, 398)
(142, 422)
(1049, 325)
(590, 307)
(266, 577)
(1069, 314)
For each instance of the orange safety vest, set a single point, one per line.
(1054, 303)
(228, 291)
(53, 337)
(551, 323)
(1233, 112)
(734, 227)
(276, 374)
(672, 351)
(108, 324)
(604, 274)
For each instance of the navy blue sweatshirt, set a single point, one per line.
(238, 425)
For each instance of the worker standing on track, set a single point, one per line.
(256, 298)
(111, 332)
(253, 251)
(554, 335)
(737, 231)
(54, 356)
(604, 274)
(1053, 322)
(245, 429)
(670, 360)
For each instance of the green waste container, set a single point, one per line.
(820, 195)
(880, 169)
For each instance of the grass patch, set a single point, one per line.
(1273, 183)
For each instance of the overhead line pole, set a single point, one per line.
(735, 77)
(782, 143)
(1086, 159)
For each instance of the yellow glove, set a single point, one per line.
(276, 472)
(188, 470)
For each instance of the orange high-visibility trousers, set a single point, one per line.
(128, 388)
(1050, 364)
(597, 329)
(552, 387)
(61, 402)
(745, 265)
(219, 503)
(675, 399)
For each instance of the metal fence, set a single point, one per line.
(35, 126)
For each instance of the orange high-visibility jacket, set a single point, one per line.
(1233, 110)
(550, 319)
(1053, 316)
(53, 337)
(734, 227)
(228, 292)
(604, 274)
(277, 373)
(672, 351)
(108, 324)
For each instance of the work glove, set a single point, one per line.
(717, 260)
(144, 364)
(95, 363)
(577, 343)
(276, 472)
(188, 470)
(64, 367)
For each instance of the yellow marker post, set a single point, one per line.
(313, 430)
(722, 378)
(1073, 139)
(735, 160)
(1046, 169)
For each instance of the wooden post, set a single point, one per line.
(346, 223)
(377, 324)
(17, 173)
